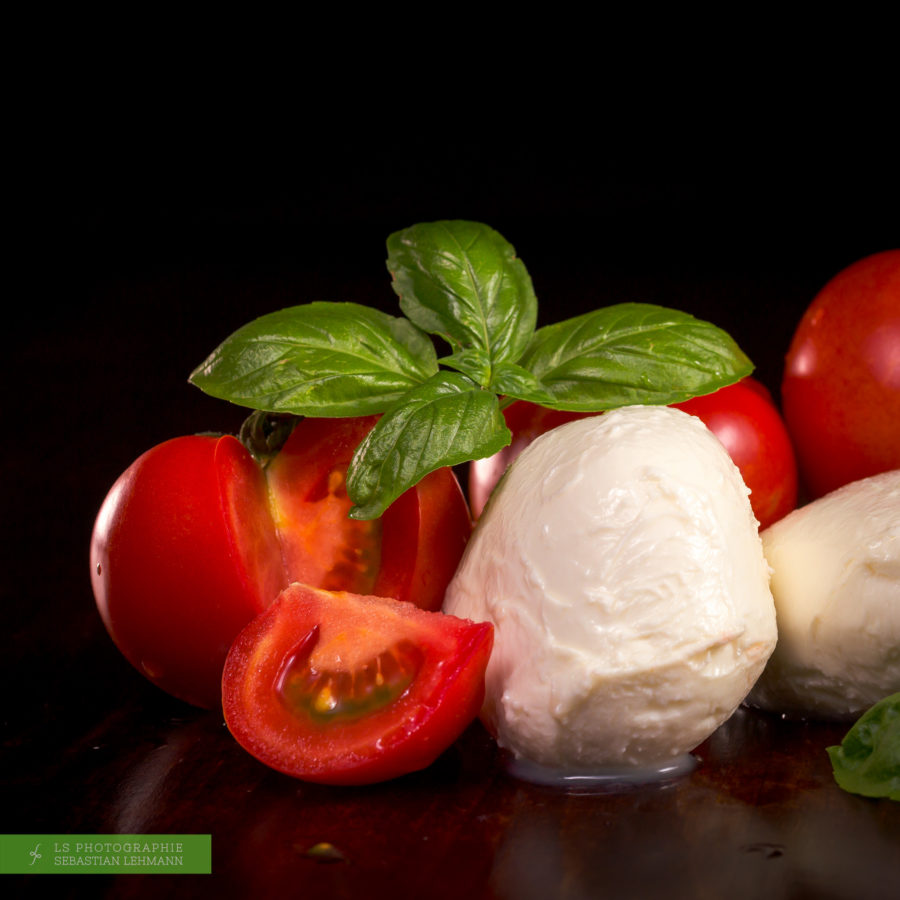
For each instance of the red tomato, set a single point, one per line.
(741, 415)
(841, 386)
(339, 688)
(194, 540)
(174, 574)
(752, 431)
(410, 553)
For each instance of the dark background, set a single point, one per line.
(131, 277)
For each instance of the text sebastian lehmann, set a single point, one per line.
(119, 853)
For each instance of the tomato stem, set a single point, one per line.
(265, 433)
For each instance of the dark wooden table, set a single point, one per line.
(132, 301)
(759, 817)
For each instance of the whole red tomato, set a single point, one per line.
(741, 415)
(339, 688)
(841, 386)
(174, 574)
(194, 540)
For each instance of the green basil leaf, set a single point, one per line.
(319, 359)
(518, 383)
(472, 362)
(503, 377)
(632, 353)
(462, 280)
(867, 761)
(446, 421)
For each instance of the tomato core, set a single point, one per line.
(332, 696)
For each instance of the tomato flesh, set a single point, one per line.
(340, 688)
(410, 553)
(321, 544)
(329, 696)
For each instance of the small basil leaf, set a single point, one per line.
(462, 280)
(518, 383)
(319, 359)
(446, 421)
(632, 353)
(867, 761)
(472, 362)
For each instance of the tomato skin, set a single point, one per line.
(424, 533)
(194, 540)
(339, 633)
(841, 384)
(741, 415)
(174, 575)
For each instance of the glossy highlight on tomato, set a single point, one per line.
(195, 539)
(341, 688)
(841, 384)
(741, 415)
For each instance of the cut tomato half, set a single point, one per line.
(410, 553)
(341, 688)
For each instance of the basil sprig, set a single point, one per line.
(462, 282)
(867, 761)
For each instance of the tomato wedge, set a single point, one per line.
(341, 688)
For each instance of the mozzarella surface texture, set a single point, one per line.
(621, 565)
(836, 581)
